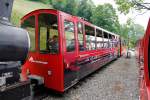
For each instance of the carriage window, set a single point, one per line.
(69, 34)
(111, 41)
(90, 38)
(114, 41)
(29, 25)
(80, 37)
(106, 42)
(48, 30)
(99, 39)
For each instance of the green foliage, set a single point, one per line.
(82, 8)
(136, 32)
(43, 1)
(59, 4)
(71, 7)
(105, 16)
(131, 32)
(124, 31)
(19, 11)
(139, 31)
(126, 5)
(85, 9)
(15, 19)
(68, 6)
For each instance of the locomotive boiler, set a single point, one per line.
(14, 47)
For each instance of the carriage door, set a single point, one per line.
(70, 69)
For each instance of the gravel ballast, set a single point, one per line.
(116, 81)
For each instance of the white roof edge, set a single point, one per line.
(107, 31)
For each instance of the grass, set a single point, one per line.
(22, 7)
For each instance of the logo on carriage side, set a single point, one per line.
(37, 61)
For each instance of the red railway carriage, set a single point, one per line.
(143, 56)
(65, 48)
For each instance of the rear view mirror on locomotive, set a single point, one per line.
(65, 48)
(14, 47)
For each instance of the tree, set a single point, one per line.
(71, 7)
(134, 32)
(59, 4)
(126, 5)
(124, 31)
(68, 6)
(139, 31)
(105, 16)
(85, 8)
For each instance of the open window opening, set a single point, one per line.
(29, 25)
(48, 30)
(106, 40)
(90, 38)
(99, 38)
(80, 37)
(69, 35)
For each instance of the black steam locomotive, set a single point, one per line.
(14, 47)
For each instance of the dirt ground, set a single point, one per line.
(115, 81)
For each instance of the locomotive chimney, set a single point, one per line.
(6, 9)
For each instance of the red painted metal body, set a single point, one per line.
(62, 70)
(143, 58)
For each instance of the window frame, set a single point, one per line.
(101, 37)
(74, 35)
(38, 29)
(83, 32)
(107, 34)
(35, 37)
(90, 35)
